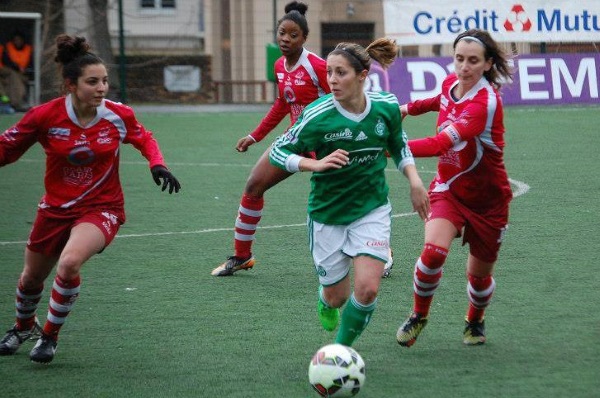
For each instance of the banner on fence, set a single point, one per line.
(538, 79)
(412, 22)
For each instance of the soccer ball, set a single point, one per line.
(336, 371)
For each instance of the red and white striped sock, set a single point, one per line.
(64, 294)
(480, 291)
(249, 215)
(26, 304)
(428, 272)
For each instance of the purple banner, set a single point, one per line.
(541, 79)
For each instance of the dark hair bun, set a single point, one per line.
(296, 6)
(70, 47)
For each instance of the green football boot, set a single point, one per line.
(329, 317)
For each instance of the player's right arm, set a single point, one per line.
(286, 155)
(279, 110)
(418, 107)
(16, 140)
(276, 114)
(469, 124)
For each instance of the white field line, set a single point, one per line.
(141, 162)
(521, 189)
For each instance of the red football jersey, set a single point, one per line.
(473, 169)
(82, 163)
(297, 88)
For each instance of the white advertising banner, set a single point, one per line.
(412, 22)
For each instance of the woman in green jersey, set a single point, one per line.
(348, 210)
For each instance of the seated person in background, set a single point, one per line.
(5, 106)
(16, 69)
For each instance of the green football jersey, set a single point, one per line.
(339, 197)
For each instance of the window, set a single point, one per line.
(157, 4)
(333, 33)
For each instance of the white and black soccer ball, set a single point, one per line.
(336, 371)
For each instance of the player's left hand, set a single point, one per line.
(403, 111)
(243, 143)
(420, 201)
(168, 179)
(335, 160)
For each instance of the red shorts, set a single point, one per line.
(51, 229)
(483, 231)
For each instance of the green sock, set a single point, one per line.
(321, 298)
(355, 319)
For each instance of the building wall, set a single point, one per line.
(242, 56)
(233, 34)
(170, 32)
(253, 26)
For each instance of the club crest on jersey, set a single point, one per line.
(380, 127)
(289, 95)
(81, 156)
(346, 134)
(59, 133)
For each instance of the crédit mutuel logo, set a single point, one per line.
(551, 20)
(517, 20)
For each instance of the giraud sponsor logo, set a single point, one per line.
(340, 135)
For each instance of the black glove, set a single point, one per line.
(169, 179)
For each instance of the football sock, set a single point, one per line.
(355, 318)
(428, 272)
(64, 294)
(480, 291)
(328, 316)
(322, 298)
(249, 215)
(26, 304)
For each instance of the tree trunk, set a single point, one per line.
(102, 44)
